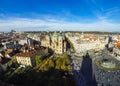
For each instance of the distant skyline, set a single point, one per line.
(63, 15)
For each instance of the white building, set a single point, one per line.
(87, 42)
(23, 41)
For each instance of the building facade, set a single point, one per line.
(28, 55)
(116, 51)
(56, 42)
(84, 42)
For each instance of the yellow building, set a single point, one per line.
(28, 54)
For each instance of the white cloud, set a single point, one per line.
(22, 24)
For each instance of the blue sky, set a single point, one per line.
(81, 15)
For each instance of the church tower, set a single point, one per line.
(82, 35)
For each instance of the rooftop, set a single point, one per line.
(29, 51)
(118, 44)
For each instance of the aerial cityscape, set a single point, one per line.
(59, 43)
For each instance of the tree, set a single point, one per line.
(66, 59)
(51, 63)
(38, 59)
(69, 68)
(65, 56)
(46, 50)
(63, 67)
(70, 44)
(58, 63)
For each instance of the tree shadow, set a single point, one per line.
(46, 78)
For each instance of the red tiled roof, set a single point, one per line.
(118, 44)
(29, 52)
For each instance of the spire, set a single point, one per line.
(82, 34)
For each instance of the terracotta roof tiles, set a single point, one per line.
(29, 52)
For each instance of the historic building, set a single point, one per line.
(84, 42)
(56, 42)
(27, 55)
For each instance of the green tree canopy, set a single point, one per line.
(38, 59)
